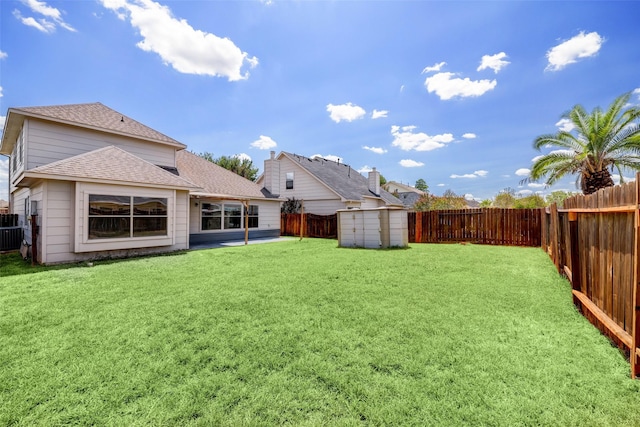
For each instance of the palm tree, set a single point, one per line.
(599, 142)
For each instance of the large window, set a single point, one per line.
(227, 216)
(113, 217)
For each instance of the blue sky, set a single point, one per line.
(450, 92)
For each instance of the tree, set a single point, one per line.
(505, 199)
(558, 197)
(529, 202)
(242, 166)
(383, 180)
(422, 185)
(449, 200)
(291, 206)
(600, 141)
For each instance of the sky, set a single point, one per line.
(450, 92)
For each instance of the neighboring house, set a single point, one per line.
(105, 185)
(323, 185)
(4, 207)
(407, 194)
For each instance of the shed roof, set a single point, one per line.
(215, 180)
(347, 182)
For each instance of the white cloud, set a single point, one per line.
(377, 150)
(565, 125)
(440, 185)
(329, 157)
(469, 135)
(347, 112)
(378, 114)
(495, 62)
(264, 143)
(407, 163)
(570, 51)
(242, 156)
(52, 17)
(536, 185)
(476, 174)
(523, 172)
(525, 192)
(446, 86)
(3, 54)
(406, 139)
(1, 95)
(635, 91)
(435, 67)
(365, 169)
(186, 49)
(469, 196)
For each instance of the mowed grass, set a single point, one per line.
(306, 333)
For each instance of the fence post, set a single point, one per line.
(574, 247)
(635, 335)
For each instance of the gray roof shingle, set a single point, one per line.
(98, 117)
(110, 164)
(344, 180)
(216, 180)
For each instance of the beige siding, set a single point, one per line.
(305, 186)
(325, 207)
(57, 227)
(182, 220)
(49, 142)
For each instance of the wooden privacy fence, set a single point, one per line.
(322, 226)
(594, 241)
(487, 226)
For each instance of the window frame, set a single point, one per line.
(129, 216)
(228, 213)
(289, 178)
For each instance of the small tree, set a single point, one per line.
(422, 185)
(291, 206)
(243, 167)
(529, 202)
(558, 197)
(505, 199)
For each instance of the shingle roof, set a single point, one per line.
(99, 117)
(340, 177)
(216, 180)
(110, 164)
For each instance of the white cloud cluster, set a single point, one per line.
(377, 150)
(434, 68)
(242, 156)
(48, 22)
(495, 62)
(365, 169)
(407, 163)
(565, 125)
(378, 114)
(476, 174)
(469, 135)
(264, 143)
(447, 86)
(345, 112)
(523, 172)
(570, 51)
(186, 49)
(405, 139)
(329, 157)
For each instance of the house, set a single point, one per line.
(407, 194)
(323, 185)
(101, 184)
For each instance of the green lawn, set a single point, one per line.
(306, 333)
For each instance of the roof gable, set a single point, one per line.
(110, 164)
(345, 181)
(95, 116)
(216, 180)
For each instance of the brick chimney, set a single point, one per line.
(374, 182)
(272, 174)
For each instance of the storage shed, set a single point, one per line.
(375, 228)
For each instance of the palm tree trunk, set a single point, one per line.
(596, 181)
